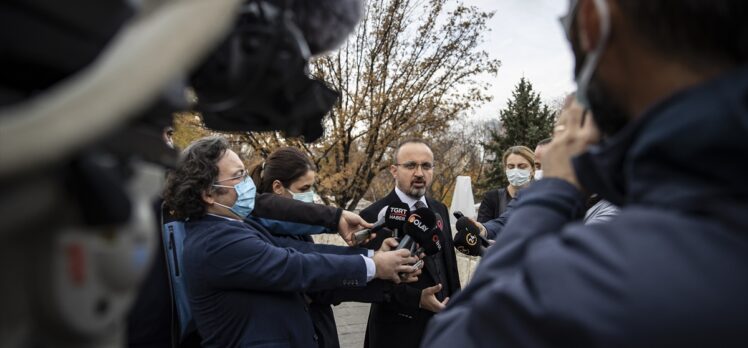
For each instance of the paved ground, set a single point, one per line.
(351, 318)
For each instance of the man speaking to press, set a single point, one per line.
(401, 321)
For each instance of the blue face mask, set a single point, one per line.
(303, 196)
(245, 197)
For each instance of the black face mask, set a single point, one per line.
(608, 113)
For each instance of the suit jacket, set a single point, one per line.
(398, 321)
(245, 285)
(320, 310)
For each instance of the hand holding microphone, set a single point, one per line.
(393, 264)
(391, 218)
(348, 223)
(468, 239)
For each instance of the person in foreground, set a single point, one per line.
(245, 286)
(667, 83)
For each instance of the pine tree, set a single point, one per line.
(525, 121)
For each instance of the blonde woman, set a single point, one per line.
(519, 168)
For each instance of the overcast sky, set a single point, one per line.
(527, 37)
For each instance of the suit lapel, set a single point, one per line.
(447, 246)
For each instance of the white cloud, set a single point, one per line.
(527, 37)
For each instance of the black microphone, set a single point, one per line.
(325, 24)
(431, 243)
(418, 225)
(392, 217)
(468, 240)
(397, 215)
(467, 222)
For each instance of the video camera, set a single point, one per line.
(86, 89)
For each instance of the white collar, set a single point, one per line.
(410, 201)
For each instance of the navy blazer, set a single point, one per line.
(245, 287)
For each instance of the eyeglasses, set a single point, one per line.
(241, 175)
(413, 165)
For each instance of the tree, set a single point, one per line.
(525, 121)
(456, 152)
(407, 71)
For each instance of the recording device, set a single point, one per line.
(468, 240)
(420, 223)
(80, 135)
(392, 217)
(258, 77)
(420, 227)
(468, 222)
(429, 241)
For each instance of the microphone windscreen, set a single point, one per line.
(396, 216)
(421, 227)
(325, 24)
(431, 242)
(467, 240)
(420, 221)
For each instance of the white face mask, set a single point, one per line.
(518, 177)
(538, 174)
(307, 197)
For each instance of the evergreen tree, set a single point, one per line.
(525, 121)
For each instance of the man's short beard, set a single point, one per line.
(416, 193)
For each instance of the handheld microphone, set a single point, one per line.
(418, 226)
(392, 217)
(429, 241)
(468, 239)
(467, 222)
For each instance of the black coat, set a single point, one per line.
(399, 322)
(671, 270)
(493, 204)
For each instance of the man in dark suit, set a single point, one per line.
(401, 320)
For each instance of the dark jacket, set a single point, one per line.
(320, 308)
(151, 319)
(400, 322)
(494, 204)
(671, 270)
(245, 288)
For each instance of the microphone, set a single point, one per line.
(467, 222)
(325, 24)
(397, 215)
(419, 223)
(468, 240)
(392, 217)
(431, 242)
